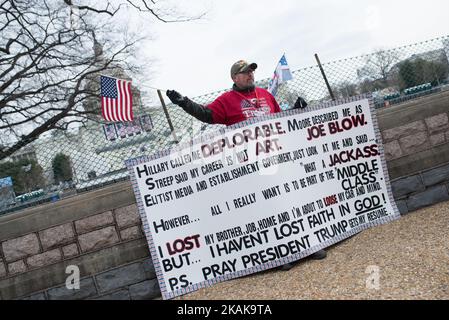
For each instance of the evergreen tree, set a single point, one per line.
(62, 168)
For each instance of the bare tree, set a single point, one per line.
(345, 89)
(161, 10)
(378, 65)
(46, 58)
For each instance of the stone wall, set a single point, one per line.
(415, 135)
(416, 142)
(100, 232)
(421, 189)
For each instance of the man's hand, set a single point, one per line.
(194, 109)
(174, 96)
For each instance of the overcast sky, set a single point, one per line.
(195, 57)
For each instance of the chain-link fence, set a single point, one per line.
(65, 163)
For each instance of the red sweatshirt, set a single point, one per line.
(235, 106)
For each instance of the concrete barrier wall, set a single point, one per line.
(100, 232)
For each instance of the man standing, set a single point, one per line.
(243, 102)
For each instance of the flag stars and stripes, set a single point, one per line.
(116, 99)
(283, 61)
(281, 74)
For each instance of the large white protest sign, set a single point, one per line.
(262, 193)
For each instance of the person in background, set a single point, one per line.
(243, 102)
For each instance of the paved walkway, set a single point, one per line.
(411, 254)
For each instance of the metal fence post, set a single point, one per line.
(324, 77)
(167, 116)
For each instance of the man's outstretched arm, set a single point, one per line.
(194, 109)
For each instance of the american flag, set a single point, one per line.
(281, 74)
(116, 99)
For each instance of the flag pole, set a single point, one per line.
(167, 116)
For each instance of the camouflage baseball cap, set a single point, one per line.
(242, 66)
